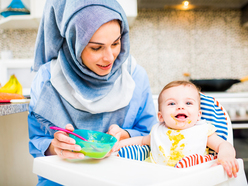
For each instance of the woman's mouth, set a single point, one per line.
(105, 67)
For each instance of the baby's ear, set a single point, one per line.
(160, 117)
(199, 115)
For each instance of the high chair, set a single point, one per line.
(122, 171)
(212, 111)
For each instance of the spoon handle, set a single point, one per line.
(68, 131)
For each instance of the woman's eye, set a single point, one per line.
(95, 49)
(115, 44)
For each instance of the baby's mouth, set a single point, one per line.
(181, 116)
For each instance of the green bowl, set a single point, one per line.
(98, 145)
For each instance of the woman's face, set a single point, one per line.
(103, 48)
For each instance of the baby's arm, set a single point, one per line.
(226, 154)
(124, 138)
(140, 140)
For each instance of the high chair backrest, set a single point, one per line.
(215, 113)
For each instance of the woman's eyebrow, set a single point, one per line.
(103, 43)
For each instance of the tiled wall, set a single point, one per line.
(168, 43)
(20, 42)
(206, 44)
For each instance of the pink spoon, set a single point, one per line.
(68, 131)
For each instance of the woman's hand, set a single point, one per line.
(63, 145)
(119, 133)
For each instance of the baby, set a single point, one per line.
(181, 131)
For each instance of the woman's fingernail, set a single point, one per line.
(77, 148)
(81, 156)
(73, 141)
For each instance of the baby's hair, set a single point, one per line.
(176, 84)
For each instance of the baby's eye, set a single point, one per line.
(172, 103)
(189, 103)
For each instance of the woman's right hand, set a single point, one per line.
(64, 146)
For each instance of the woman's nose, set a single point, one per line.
(108, 55)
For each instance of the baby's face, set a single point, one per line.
(180, 107)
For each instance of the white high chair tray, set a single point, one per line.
(118, 171)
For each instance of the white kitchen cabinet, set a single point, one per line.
(131, 9)
(32, 21)
(15, 161)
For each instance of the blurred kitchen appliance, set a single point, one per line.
(236, 104)
(216, 84)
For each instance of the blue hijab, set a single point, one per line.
(65, 29)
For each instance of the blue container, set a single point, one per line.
(16, 7)
(98, 145)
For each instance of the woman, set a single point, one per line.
(86, 78)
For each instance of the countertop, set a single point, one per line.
(12, 108)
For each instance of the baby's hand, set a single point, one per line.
(226, 154)
(229, 164)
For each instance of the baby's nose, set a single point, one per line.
(180, 107)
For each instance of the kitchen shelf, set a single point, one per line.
(20, 22)
(32, 21)
(240, 126)
(17, 63)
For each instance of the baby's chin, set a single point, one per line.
(180, 125)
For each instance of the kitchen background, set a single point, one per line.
(209, 41)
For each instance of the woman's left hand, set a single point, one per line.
(119, 134)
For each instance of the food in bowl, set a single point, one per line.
(98, 145)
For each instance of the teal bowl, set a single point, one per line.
(98, 145)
